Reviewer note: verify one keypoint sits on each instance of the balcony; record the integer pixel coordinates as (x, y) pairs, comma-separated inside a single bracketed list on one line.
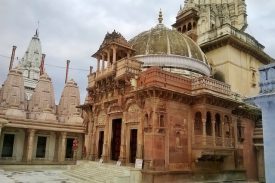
[(106, 72), (127, 66), (210, 142)]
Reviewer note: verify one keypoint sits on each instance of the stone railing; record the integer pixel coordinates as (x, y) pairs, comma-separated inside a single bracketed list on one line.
[(227, 29), (202, 84), (128, 66), (218, 141), (157, 77), (208, 141), (106, 72)]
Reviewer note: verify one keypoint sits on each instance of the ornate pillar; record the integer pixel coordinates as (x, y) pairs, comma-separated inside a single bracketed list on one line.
[(105, 154), (114, 54), (98, 64), (30, 144), (204, 131), (62, 147), (122, 154), (213, 132), (223, 134), (103, 62), (109, 58)]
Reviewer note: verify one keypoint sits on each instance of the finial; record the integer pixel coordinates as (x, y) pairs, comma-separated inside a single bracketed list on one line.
[(160, 17), (37, 29)]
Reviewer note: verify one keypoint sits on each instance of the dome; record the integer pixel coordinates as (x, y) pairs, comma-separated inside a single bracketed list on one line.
[(169, 49)]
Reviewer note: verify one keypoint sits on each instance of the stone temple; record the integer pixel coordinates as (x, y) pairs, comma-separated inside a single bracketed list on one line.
[(169, 98)]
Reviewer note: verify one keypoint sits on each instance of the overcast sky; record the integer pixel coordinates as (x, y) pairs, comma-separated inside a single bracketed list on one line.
[(74, 29)]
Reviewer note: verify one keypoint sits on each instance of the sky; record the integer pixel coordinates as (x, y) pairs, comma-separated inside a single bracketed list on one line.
[(74, 29)]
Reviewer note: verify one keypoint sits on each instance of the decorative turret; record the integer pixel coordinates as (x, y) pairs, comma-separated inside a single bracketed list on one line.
[(30, 64), (70, 98), (42, 102), (12, 95), (113, 48)]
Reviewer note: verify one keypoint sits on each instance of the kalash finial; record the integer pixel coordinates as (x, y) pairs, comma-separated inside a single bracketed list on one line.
[(160, 17)]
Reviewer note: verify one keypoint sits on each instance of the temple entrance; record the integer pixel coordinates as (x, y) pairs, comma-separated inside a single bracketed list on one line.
[(133, 145), (100, 144), (116, 138), (69, 148), (41, 147), (8, 142)]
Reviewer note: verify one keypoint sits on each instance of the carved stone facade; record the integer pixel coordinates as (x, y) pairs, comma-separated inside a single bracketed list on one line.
[(174, 122)]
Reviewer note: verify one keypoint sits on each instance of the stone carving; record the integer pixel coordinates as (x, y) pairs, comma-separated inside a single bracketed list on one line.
[(101, 119)]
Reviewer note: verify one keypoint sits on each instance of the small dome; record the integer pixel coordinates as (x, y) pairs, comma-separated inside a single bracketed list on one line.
[(167, 48)]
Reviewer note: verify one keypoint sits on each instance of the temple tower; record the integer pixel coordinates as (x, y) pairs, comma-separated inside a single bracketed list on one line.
[(218, 26), (30, 63)]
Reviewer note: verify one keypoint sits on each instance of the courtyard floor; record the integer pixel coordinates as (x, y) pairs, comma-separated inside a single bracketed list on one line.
[(33, 176)]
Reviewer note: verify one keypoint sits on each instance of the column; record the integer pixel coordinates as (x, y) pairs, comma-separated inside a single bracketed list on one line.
[(105, 144), (103, 62), (30, 144), (114, 54), (108, 58), (213, 132), (62, 147), (98, 64), (204, 131), (222, 133), (140, 141), (122, 155)]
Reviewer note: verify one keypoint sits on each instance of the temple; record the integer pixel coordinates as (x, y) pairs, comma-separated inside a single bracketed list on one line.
[(170, 98)]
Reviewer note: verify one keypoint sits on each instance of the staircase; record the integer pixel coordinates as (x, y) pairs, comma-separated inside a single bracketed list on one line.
[(95, 172)]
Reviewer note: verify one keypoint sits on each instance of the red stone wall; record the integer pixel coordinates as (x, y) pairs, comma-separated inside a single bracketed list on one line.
[(249, 151)]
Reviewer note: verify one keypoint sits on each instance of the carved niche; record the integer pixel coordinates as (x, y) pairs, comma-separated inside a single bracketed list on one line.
[(101, 118), (133, 114)]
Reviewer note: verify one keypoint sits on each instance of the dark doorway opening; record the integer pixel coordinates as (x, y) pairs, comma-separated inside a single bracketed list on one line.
[(116, 138), (41, 147), (100, 144), (8, 142), (69, 148), (133, 145)]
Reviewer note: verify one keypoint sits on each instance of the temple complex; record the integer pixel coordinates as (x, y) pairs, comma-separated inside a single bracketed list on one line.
[(36, 131), (170, 99)]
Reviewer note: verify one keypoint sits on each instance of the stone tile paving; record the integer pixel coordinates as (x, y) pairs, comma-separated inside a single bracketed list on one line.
[(33, 176)]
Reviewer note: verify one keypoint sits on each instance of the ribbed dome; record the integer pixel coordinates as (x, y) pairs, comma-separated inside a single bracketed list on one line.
[(161, 46), (162, 40)]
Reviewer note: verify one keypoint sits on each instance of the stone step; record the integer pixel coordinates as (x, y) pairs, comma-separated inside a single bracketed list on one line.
[(98, 173)]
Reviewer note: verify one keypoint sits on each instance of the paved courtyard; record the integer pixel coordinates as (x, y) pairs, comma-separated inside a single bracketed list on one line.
[(33, 176)]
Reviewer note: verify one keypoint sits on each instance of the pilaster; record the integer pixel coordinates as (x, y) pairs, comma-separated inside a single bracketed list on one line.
[(62, 147), (30, 144)]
